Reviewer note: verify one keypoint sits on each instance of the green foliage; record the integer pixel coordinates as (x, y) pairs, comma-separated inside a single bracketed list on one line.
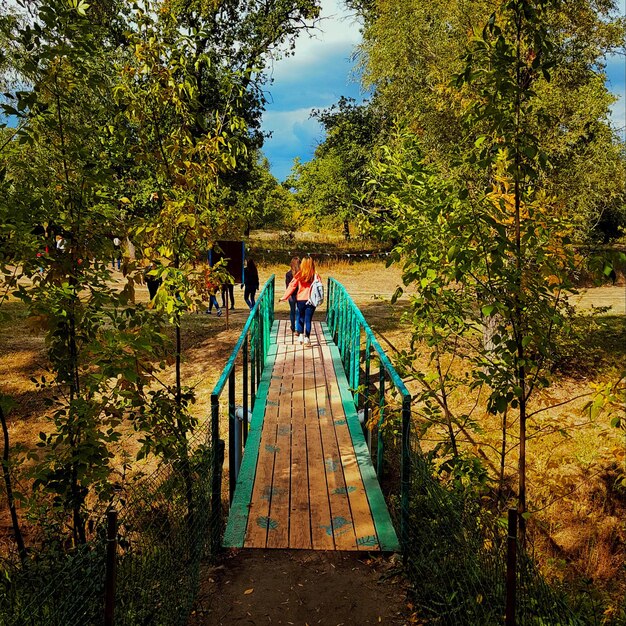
[(258, 200), (456, 558), (326, 186), (90, 114), (411, 49), (491, 265)]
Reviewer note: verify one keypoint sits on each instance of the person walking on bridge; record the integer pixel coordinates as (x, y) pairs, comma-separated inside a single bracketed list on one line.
[(306, 301), (293, 270)]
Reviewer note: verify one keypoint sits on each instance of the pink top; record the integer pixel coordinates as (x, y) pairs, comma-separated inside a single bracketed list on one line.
[(304, 288)]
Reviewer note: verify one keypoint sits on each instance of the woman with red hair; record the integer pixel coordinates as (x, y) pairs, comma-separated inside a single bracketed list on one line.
[(301, 286)]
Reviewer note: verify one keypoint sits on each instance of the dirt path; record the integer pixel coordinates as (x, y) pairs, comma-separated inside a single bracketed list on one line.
[(300, 587)]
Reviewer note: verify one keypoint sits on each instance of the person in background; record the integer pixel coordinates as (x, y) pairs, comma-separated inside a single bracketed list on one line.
[(117, 252), (228, 290), (152, 282), (293, 270), (301, 286), (212, 288), (250, 282)]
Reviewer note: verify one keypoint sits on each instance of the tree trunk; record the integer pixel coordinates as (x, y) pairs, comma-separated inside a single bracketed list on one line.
[(502, 459), (77, 499), (17, 532), (346, 230), (185, 465)]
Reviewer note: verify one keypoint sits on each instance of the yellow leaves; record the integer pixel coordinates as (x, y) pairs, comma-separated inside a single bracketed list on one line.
[(187, 220), (80, 6), (553, 281), (247, 592)]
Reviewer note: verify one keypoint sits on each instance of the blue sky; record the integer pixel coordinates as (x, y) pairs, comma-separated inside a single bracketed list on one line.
[(319, 73), (322, 70)]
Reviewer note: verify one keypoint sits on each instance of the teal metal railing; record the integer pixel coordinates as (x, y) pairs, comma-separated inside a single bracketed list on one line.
[(253, 345), (358, 348)]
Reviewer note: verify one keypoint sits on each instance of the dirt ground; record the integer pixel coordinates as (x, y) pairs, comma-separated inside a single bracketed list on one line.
[(302, 587)]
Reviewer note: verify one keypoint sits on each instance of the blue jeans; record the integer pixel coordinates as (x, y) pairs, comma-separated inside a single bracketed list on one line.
[(305, 315), (248, 296)]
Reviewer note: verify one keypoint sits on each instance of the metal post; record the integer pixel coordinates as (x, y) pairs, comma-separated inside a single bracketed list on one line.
[(245, 391), (111, 562), (357, 360), (511, 560), (366, 394), (259, 348), (329, 301), (405, 472), (252, 366), (380, 444), (216, 497), (233, 437)]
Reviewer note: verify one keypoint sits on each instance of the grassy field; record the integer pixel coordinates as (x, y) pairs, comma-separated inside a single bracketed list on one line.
[(575, 464)]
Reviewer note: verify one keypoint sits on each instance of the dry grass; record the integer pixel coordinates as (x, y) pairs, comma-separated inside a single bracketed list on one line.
[(575, 464)]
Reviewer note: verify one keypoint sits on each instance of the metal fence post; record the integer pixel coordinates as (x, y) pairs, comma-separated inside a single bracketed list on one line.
[(111, 562), (234, 437), (405, 473), (216, 497), (511, 559), (245, 391), (380, 443)]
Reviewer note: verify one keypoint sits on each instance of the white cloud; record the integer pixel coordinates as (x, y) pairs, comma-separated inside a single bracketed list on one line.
[(337, 29), (291, 128), (315, 77)]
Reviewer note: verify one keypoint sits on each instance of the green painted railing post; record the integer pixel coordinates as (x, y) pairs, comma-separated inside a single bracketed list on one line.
[(405, 472), (234, 439), (340, 314), (245, 389), (329, 306), (252, 368), (366, 393), (380, 444), (356, 360), (217, 445), (257, 351)]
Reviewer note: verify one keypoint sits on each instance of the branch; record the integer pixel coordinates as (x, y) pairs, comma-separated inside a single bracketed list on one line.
[(553, 406)]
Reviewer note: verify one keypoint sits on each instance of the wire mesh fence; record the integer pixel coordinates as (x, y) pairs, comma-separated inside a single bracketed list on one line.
[(167, 526), (455, 557)]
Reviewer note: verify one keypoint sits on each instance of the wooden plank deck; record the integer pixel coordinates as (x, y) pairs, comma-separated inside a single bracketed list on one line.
[(306, 479)]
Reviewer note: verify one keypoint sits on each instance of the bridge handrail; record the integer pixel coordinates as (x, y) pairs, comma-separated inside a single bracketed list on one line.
[(346, 322), (264, 296), (253, 344)]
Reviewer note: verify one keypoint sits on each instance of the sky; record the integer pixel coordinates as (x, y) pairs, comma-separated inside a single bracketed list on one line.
[(317, 75), (322, 70)]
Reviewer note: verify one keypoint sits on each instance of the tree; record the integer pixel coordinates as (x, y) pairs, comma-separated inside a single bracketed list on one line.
[(257, 200), (327, 185), (60, 203), (240, 37), (412, 48), (500, 256)]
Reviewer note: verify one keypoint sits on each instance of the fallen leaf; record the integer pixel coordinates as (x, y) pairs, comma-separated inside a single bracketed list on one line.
[(247, 592)]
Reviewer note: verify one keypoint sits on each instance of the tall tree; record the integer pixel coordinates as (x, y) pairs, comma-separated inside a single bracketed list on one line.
[(411, 48)]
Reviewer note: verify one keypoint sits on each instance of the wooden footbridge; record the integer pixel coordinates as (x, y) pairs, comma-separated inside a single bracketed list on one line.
[(302, 469)]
